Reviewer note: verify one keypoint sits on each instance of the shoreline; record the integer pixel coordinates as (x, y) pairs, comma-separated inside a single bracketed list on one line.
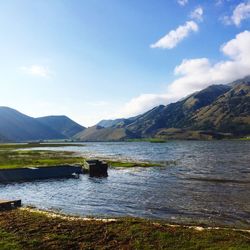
[(71, 217), (31, 228)]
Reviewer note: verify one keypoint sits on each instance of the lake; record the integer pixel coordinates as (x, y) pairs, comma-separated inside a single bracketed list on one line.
[(202, 182)]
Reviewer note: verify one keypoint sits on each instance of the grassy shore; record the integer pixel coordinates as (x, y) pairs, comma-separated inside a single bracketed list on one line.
[(31, 229)]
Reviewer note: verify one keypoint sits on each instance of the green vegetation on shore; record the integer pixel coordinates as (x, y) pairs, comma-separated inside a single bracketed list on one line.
[(10, 158), (19, 159), (152, 140), (245, 139), (124, 164), (13, 146), (20, 155), (30, 229)]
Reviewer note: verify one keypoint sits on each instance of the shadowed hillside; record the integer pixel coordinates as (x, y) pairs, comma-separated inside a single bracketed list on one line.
[(16, 126), (62, 124)]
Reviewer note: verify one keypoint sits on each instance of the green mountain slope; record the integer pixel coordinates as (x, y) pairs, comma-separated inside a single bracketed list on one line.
[(176, 115), (229, 113), (219, 111), (62, 124)]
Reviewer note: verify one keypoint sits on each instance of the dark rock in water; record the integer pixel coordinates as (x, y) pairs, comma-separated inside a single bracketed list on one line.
[(97, 168)]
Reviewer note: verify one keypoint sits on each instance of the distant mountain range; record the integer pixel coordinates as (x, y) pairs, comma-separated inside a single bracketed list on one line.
[(219, 111), (15, 126)]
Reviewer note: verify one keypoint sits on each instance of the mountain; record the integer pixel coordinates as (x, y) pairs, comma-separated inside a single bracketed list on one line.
[(16, 126), (110, 123), (62, 124), (229, 113), (244, 80), (98, 133), (176, 115), (218, 111), (117, 122)]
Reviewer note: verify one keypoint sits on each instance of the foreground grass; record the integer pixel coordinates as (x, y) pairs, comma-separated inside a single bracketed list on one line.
[(22, 229)]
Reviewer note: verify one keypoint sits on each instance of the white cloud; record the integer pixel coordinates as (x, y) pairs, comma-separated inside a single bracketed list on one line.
[(196, 74), (240, 13), (143, 103), (36, 70), (197, 14), (182, 2), (170, 40)]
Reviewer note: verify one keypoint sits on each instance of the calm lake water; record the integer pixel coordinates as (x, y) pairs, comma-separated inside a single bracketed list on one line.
[(202, 182)]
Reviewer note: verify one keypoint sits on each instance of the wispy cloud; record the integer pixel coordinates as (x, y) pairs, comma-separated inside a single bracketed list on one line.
[(174, 37), (182, 2), (240, 13), (196, 74), (197, 14), (36, 70)]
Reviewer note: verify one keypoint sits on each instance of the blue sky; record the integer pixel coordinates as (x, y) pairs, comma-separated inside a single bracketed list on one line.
[(96, 59)]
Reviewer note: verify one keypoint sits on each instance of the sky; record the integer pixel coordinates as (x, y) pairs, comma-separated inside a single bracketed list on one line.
[(106, 59)]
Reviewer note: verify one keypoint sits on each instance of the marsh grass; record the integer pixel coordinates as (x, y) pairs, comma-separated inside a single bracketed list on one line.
[(124, 164), (13, 146), (31, 158)]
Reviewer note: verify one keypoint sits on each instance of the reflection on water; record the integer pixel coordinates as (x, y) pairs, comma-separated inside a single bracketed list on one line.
[(210, 183)]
